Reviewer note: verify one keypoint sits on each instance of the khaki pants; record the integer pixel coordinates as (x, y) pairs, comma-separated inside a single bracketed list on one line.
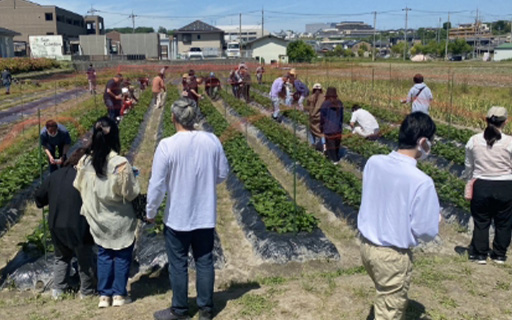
[(390, 269)]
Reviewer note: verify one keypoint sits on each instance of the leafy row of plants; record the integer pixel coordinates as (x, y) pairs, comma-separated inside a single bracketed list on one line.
[(133, 119), (342, 182), (27, 166), (18, 65), (129, 126), (269, 199), (449, 187), (446, 149)]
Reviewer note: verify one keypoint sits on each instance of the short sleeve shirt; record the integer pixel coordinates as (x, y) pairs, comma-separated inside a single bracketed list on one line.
[(114, 87)]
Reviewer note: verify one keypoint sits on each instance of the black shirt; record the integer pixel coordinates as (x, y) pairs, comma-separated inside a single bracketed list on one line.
[(114, 87)]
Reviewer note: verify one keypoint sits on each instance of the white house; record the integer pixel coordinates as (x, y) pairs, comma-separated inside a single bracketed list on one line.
[(247, 32), (503, 52), (268, 49), (6, 42)]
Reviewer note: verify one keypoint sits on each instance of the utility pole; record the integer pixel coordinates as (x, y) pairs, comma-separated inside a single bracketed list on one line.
[(475, 37), (133, 21), (262, 22), (447, 38), (240, 31), (374, 31), (439, 30), (405, 32)]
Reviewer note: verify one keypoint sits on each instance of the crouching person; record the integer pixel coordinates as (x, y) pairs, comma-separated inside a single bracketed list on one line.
[(187, 166), (411, 213), (69, 230), (107, 185)]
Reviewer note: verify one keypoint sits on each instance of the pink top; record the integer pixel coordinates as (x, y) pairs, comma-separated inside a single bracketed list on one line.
[(484, 162)]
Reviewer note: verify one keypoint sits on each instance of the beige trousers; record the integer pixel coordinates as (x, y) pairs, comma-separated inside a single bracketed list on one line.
[(390, 269)]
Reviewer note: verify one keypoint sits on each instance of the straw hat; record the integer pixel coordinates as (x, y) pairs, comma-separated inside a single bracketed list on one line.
[(317, 86)]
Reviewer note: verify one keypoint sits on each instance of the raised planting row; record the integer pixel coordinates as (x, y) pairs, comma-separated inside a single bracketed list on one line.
[(346, 184), (27, 166), (270, 200), (446, 149), (133, 119), (450, 188)]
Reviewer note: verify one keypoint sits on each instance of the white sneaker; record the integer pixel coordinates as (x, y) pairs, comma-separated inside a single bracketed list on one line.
[(105, 302), (121, 300)]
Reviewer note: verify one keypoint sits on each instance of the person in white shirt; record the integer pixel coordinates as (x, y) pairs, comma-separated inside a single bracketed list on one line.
[(187, 166), (368, 125), (419, 96), (489, 163), (399, 208)]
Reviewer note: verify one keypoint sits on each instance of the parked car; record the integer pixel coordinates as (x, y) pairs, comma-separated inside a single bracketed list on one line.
[(195, 52)]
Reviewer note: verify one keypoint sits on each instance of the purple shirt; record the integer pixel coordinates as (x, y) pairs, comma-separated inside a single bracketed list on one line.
[(277, 87)]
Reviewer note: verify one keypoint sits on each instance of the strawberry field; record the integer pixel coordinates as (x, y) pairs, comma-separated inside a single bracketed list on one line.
[(286, 214)]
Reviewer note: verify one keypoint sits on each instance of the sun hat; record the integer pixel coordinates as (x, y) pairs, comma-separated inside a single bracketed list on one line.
[(497, 112), (293, 72), (317, 86), (185, 75), (331, 92)]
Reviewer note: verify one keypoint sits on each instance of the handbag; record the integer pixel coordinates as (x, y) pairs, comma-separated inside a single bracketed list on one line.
[(139, 206), (468, 190)]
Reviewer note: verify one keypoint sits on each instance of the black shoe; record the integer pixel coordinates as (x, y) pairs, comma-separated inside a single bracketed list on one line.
[(498, 259), (205, 315), (167, 314), (480, 259)]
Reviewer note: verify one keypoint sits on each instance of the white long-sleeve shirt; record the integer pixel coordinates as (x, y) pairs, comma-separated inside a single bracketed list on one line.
[(187, 166), (399, 204), (483, 162)]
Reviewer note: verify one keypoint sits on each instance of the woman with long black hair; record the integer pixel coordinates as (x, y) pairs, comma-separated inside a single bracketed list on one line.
[(331, 124), (107, 185), (489, 165)]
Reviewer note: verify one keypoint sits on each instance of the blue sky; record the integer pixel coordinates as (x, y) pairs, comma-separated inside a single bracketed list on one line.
[(292, 14)]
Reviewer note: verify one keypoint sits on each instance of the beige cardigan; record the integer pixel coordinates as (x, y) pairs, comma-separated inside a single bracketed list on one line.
[(107, 201)]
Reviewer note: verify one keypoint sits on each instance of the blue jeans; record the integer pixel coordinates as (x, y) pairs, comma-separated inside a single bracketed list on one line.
[(114, 108), (113, 271), (177, 244)]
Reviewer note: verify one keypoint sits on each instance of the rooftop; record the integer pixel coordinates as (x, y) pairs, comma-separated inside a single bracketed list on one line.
[(199, 26)]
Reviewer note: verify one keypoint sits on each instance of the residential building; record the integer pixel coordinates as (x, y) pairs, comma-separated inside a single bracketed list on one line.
[(503, 52), (246, 33), (7, 43), (354, 29), (94, 25), (114, 39), (29, 19), (470, 30), (268, 49), (201, 35)]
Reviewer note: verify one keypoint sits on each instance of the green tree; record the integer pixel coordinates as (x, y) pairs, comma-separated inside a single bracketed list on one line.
[(162, 30), (398, 49), (459, 46), (364, 47), (447, 25), (339, 51), (360, 53), (299, 51)]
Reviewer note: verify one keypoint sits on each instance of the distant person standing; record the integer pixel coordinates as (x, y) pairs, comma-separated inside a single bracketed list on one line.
[(301, 90), (91, 78), (7, 80), (489, 162), (260, 70), (313, 106), (245, 85), (368, 126), (420, 95), (399, 207), (113, 97), (331, 124), (188, 166), (158, 89), (278, 94), (212, 86), (163, 70), (69, 230), (55, 140), (235, 80)]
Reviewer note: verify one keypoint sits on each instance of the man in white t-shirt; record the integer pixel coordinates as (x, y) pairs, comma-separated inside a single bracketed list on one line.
[(368, 125)]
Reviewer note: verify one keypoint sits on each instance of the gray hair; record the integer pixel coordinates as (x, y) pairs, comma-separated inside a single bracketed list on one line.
[(185, 112)]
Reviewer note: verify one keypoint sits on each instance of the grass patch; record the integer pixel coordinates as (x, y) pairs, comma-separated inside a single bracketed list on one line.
[(254, 305)]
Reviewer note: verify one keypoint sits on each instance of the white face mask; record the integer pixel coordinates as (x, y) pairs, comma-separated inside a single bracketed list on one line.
[(424, 147), (54, 134)]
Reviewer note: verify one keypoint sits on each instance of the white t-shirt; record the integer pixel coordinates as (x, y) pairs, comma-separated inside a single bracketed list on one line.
[(365, 119)]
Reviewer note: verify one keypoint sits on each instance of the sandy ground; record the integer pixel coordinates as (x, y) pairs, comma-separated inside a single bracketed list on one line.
[(445, 285)]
